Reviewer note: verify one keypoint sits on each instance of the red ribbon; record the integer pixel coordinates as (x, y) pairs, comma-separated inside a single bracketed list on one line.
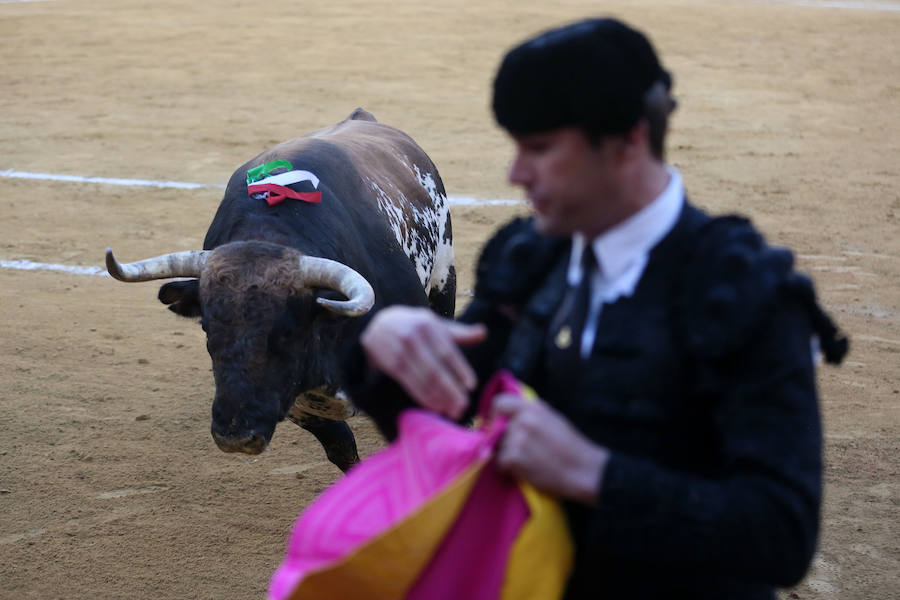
[(278, 193)]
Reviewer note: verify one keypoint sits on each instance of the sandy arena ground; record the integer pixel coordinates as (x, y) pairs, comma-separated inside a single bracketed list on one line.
[(110, 485)]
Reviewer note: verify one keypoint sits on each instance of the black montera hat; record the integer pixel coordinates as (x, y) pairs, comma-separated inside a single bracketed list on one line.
[(592, 74)]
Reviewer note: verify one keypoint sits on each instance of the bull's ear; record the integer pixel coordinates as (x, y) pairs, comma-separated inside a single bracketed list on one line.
[(183, 297)]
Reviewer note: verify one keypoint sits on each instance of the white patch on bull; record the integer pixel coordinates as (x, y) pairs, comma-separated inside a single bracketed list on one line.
[(427, 182), (320, 403), (443, 252), (422, 239), (443, 261)]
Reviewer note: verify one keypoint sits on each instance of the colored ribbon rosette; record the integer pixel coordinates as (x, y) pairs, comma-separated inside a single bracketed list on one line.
[(430, 517), (270, 182)]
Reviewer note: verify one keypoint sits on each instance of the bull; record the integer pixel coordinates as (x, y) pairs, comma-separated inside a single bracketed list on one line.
[(310, 239)]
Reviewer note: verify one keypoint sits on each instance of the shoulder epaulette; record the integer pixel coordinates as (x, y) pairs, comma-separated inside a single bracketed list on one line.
[(734, 280), (514, 261), (731, 284)]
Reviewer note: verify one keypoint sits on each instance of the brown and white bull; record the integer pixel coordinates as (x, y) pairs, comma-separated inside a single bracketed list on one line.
[(311, 237)]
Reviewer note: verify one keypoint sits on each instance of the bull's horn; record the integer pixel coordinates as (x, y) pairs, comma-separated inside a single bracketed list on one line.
[(325, 273), (178, 264)]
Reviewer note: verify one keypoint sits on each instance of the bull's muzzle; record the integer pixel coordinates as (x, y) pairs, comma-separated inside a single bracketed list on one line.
[(252, 443)]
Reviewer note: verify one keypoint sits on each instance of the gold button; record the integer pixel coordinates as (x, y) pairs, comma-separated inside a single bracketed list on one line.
[(564, 337)]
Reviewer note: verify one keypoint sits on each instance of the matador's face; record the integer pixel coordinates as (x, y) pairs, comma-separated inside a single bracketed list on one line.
[(573, 184)]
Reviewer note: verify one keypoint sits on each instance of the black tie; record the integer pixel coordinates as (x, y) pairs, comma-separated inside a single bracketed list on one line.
[(571, 318)]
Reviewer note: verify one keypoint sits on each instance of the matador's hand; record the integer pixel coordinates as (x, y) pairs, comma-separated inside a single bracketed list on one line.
[(543, 448), (419, 350)]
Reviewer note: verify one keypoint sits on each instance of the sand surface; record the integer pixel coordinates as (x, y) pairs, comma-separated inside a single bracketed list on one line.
[(110, 485)]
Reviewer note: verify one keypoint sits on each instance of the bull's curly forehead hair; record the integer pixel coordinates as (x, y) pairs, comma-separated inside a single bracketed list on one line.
[(595, 74), (251, 266)]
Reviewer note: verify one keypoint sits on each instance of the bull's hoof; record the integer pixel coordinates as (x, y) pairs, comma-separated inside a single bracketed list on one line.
[(343, 462)]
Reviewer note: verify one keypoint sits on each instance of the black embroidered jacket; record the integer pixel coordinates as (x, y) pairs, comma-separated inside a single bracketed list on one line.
[(702, 386)]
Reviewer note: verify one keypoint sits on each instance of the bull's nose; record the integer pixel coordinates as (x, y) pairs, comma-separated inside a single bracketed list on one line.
[(254, 443)]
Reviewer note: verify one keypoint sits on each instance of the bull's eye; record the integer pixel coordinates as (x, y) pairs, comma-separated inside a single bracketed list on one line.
[(283, 330), (280, 339)]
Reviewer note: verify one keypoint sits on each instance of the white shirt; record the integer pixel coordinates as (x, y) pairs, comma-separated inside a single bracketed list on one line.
[(622, 253)]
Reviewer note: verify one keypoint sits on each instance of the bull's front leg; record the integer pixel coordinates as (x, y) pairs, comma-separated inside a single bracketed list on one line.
[(336, 437)]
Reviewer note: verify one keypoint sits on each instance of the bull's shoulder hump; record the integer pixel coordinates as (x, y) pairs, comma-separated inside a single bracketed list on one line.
[(369, 145), (358, 130), (360, 114)]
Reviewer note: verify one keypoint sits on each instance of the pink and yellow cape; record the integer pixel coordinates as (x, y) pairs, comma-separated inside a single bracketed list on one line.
[(429, 517)]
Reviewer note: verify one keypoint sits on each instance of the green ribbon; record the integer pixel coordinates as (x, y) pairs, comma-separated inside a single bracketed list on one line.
[(263, 171)]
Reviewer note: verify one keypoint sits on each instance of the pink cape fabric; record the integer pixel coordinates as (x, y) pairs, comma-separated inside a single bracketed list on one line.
[(428, 454)]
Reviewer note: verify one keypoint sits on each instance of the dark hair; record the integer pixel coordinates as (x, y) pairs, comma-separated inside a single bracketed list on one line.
[(599, 75), (658, 105)]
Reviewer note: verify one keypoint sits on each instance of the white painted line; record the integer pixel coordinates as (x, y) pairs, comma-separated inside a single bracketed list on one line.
[(875, 338), (851, 5), (820, 257), (27, 265), (452, 200), (15, 537), (153, 489), (106, 180), (843, 4), (868, 254), (466, 201)]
